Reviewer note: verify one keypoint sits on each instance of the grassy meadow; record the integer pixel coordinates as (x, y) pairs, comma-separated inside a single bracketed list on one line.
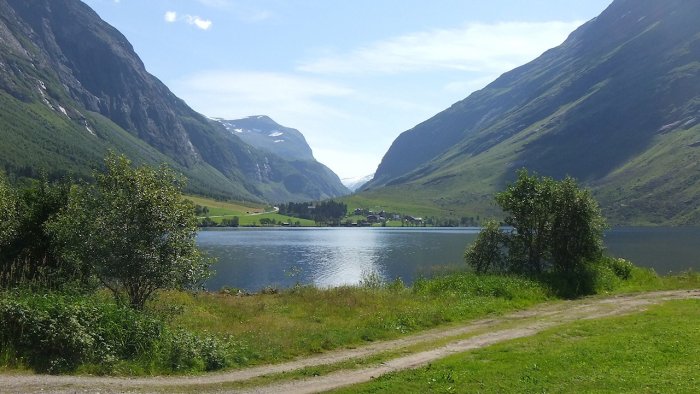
[(248, 214), (655, 351), (194, 332)]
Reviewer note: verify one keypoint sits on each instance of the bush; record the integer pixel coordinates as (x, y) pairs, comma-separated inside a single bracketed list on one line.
[(621, 267), (472, 285), (486, 254), (187, 352), (56, 333), (586, 279), (135, 228)]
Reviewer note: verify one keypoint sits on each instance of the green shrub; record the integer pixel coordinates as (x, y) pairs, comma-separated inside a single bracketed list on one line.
[(56, 333), (621, 267), (589, 278), (187, 352)]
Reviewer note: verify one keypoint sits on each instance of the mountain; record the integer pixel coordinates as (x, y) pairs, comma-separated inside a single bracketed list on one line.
[(617, 106), (72, 87), (356, 182), (268, 136)]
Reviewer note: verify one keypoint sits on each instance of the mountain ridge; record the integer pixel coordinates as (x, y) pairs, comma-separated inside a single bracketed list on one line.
[(72, 87), (587, 108), (263, 133)]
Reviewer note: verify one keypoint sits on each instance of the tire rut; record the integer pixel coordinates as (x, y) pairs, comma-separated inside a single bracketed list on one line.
[(522, 324)]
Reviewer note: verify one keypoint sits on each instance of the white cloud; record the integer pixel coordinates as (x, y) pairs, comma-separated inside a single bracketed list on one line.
[(204, 24), (475, 48), (170, 16), (301, 102), (230, 94)]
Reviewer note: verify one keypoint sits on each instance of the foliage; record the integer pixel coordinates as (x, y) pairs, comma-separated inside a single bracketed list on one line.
[(486, 254), (29, 257), (326, 212), (136, 230), (556, 228), (577, 225), (8, 211), (56, 333)]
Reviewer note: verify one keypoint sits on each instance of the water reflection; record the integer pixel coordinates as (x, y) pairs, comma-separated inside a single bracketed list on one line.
[(252, 259), (343, 257)]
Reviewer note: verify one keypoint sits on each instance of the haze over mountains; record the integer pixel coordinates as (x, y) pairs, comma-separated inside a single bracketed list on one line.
[(72, 87), (617, 106)]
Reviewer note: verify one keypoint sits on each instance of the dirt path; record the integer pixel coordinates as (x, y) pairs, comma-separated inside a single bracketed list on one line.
[(514, 325)]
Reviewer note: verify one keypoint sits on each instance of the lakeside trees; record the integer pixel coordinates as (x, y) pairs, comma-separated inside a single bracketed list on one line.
[(325, 212), (556, 227), (136, 230), (130, 231)]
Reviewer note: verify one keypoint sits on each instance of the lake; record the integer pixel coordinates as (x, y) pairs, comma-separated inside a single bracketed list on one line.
[(253, 258)]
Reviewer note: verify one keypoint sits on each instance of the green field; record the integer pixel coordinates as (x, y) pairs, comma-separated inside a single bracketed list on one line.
[(248, 214), (656, 351)]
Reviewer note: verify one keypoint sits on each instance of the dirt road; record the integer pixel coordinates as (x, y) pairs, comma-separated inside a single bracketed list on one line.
[(478, 334)]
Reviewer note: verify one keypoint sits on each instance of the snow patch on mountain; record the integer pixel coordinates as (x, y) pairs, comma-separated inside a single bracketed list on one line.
[(354, 183)]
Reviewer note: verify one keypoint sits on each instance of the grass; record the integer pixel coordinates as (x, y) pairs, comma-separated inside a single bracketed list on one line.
[(249, 214), (645, 279), (230, 331), (219, 208), (653, 351), (269, 328)]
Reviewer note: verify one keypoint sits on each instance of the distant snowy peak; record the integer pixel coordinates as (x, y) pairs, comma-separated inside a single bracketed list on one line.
[(355, 183), (264, 133)]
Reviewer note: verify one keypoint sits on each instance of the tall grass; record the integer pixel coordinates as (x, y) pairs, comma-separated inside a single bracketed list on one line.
[(193, 332)]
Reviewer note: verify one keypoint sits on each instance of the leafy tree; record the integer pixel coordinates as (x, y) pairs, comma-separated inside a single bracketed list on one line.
[(487, 254), (135, 229), (8, 211), (577, 226), (232, 222), (528, 204), (326, 212), (556, 227), (30, 257)]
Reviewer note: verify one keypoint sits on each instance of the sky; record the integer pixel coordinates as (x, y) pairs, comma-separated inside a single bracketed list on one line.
[(350, 75)]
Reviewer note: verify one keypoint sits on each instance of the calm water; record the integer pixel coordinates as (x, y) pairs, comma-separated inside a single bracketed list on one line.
[(254, 258)]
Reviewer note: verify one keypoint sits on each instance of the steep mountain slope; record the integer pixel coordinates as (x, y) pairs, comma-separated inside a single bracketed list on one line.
[(72, 87), (268, 136), (617, 106)]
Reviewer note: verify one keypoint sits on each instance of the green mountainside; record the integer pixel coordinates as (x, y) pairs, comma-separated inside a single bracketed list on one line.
[(617, 106), (72, 87)]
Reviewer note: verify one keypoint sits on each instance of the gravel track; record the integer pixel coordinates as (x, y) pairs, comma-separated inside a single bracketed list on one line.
[(487, 332)]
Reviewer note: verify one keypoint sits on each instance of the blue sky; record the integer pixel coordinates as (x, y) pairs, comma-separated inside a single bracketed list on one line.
[(350, 75)]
